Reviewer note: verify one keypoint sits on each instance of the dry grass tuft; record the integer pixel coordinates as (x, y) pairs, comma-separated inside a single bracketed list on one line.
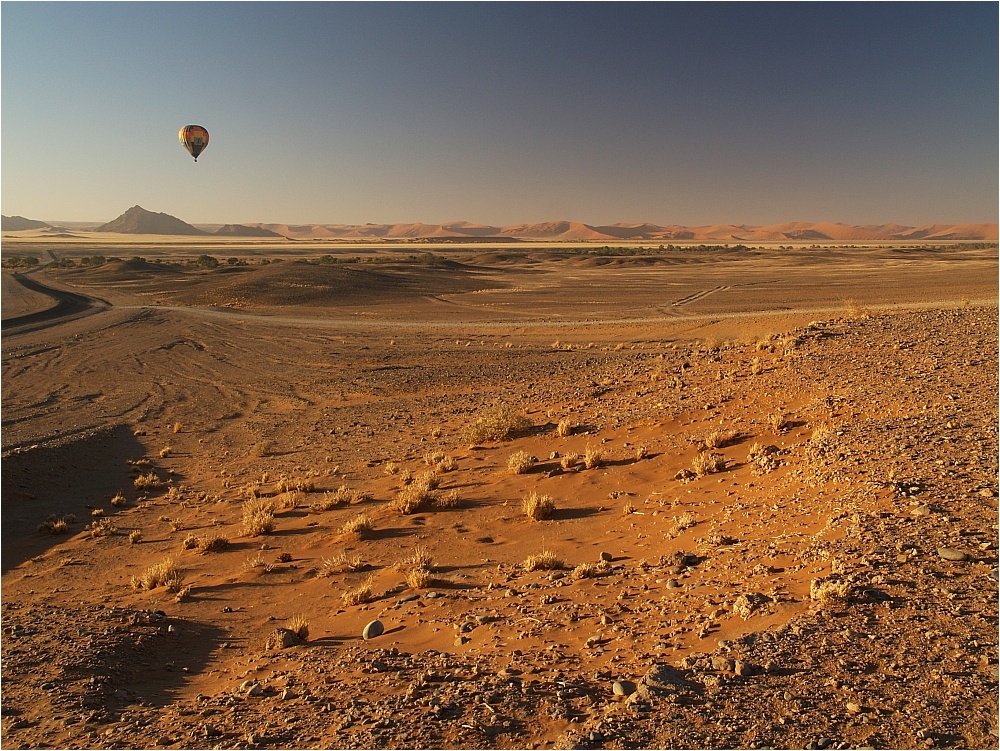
[(257, 562), (343, 562), (299, 625), (681, 523), (135, 537), (148, 481), (190, 542), (213, 544), (166, 451), (777, 422), (564, 428), (718, 439), (361, 594), (101, 528), (520, 462), (359, 527), (707, 463), (544, 561), (591, 570), (641, 452), (258, 517), (162, 574), (569, 461), (592, 457), (417, 495), (56, 525), (451, 499), (498, 423), (538, 507), (119, 500)]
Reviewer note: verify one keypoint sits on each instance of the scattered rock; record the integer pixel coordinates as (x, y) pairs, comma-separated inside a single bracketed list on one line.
[(623, 688), (950, 554), (282, 638), (373, 629)]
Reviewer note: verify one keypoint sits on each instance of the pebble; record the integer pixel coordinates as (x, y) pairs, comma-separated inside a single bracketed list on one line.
[(623, 688), (606, 556), (950, 554), (673, 584), (255, 690), (373, 629)]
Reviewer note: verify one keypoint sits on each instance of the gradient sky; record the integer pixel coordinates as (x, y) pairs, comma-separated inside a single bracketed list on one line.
[(685, 114)]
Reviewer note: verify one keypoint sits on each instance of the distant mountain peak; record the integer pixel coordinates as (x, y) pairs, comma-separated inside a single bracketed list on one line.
[(139, 221)]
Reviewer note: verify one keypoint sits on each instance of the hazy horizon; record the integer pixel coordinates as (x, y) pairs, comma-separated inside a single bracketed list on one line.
[(500, 114)]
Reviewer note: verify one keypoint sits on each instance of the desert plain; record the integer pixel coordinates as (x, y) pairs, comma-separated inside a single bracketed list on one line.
[(700, 498)]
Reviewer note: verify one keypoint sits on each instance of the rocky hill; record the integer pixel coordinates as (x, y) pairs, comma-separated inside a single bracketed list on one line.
[(138, 221), (15, 223), (241, 230)]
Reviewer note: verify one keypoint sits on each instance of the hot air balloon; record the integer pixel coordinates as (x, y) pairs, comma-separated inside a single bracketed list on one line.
[(194, 138)]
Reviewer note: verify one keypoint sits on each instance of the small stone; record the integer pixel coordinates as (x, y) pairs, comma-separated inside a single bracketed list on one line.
[(723, 664), (743, 669), (373, 629), (606, 556), (282, 638), (673, 584), (164, 740), (287, 694), (623, 688), (461, 640), (950, 554), (606, 620), (919, 511), (853, 707), (255, 690)]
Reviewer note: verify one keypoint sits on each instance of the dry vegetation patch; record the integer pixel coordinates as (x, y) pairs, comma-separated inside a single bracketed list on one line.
[(497, 423)]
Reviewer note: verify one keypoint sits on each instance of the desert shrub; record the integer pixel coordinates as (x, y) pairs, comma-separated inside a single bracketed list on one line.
[(213, 544), (707, 463), (257, 562), (777, 422), (564, 428), (299, 625), (119, 500), (433, 457), (497, 423), (641, 452), (391, 468), (359, 527), (591, 570), (262, 448), (592, 457), (520, 462), (166, 451), (339, 564), (300, 484), (162, 574), (681, 523), (55, 525), (190, 543), (829, 592), (538, 507), (544, 561), (361, 594), (628, 508), (569, 461), (258, 517), (451, 499), (177, 427), (342, 496), (417, 495), (148, 481), (717, 439), (419, 578), (101, 528), (288, 500), (447, 464), (135, 536)]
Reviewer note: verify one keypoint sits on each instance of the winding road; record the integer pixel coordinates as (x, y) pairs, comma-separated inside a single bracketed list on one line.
[(68, 305)]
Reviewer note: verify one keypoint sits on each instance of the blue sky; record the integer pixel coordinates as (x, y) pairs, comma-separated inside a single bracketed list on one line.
[(500, 113)]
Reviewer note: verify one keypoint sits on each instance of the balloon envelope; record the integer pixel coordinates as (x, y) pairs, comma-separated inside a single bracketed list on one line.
[(194, 138)]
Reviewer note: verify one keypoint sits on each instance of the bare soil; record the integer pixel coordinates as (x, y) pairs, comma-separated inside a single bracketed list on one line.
[(839, 591)]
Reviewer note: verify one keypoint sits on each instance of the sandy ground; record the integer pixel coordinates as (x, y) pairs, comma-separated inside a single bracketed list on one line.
[(832, 584)]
